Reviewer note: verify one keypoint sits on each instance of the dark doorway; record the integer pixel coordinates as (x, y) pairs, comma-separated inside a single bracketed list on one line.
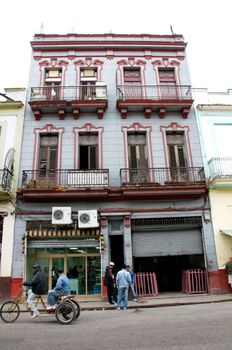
[(117, 253), (169, 269)]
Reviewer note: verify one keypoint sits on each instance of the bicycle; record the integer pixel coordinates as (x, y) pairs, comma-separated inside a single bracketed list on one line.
[(66, 311)]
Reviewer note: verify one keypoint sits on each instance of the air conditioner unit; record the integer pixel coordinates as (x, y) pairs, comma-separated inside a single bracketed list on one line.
[(87, 218), (61, 215)]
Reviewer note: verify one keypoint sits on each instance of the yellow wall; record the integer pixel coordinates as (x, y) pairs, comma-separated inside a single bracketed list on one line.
[(221, 210)]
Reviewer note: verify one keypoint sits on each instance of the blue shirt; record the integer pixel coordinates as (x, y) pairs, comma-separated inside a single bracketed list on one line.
[(123, 279), (62, 285)]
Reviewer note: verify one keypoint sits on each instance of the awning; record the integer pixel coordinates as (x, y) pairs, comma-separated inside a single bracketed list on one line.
[(227, 232), (63, 235)]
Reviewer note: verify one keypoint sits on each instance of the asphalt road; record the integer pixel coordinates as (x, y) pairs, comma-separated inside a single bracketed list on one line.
[(201, 327)]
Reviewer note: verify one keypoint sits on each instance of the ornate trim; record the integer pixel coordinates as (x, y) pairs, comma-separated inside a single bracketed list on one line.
[(167, 62), (88, 128), (88, 62), (174, 127), (47, 129), (53, 62), (136, 127)]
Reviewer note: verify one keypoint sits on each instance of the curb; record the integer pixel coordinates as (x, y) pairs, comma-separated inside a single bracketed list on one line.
[(106, 308)]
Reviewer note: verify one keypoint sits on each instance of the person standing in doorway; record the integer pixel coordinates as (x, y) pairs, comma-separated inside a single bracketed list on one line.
[(134, 296), (123, 280), (37, 288), (109, 282)]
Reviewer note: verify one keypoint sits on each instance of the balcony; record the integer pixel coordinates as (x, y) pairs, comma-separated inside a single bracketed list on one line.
[(220, 171), (6, 177), (63, 100), (63, 184), (173, 183), (154, 98)]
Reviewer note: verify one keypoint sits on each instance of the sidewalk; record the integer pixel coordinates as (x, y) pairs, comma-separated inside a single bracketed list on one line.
[(164, 299)]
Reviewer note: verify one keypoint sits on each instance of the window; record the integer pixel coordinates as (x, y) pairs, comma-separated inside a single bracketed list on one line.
[(88, 83), (88, 151), (138, 162), (53, 78), (168, 83), (177, 157), (48, 154), (132, 82)]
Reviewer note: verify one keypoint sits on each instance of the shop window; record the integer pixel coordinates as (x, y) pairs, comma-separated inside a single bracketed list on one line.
[(88, 151)]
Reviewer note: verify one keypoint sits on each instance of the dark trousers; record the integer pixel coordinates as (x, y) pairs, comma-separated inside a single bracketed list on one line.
[(111, 292)]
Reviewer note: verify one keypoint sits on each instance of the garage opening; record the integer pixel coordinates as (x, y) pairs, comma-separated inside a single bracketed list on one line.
[(168, 269), (167, 246)]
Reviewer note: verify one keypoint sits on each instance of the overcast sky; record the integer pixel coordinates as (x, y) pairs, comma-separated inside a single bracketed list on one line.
[(205, 25)]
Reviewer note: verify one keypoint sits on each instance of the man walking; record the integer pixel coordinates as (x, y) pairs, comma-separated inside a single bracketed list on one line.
[(123, 280), (109, 282), (37, 284)]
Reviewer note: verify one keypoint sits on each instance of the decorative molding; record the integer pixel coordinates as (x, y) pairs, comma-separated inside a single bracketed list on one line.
[(137, 127), (47, 129), (53, 62), (88, 128), (148, 113), (174, 127), (88, 62), (167, 62), (162, 112), (130, 62)]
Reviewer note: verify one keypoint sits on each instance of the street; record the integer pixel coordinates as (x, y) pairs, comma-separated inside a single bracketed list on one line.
[(205, 326)]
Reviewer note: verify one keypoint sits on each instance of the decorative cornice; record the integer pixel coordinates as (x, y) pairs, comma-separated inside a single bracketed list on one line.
[(165, 62), (131, 61)]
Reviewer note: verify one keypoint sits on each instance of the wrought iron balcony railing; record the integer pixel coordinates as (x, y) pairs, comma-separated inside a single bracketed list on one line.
[(162, 176), (6, 177), (81, 92), (154, 92), (220, 167), (65, 178)]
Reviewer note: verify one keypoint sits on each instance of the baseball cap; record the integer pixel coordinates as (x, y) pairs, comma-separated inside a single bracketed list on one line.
[(111, 263), (36, 266)]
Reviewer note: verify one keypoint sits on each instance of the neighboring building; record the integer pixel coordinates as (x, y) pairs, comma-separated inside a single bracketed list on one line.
[(110, 132), (214, 115), (11, 126)]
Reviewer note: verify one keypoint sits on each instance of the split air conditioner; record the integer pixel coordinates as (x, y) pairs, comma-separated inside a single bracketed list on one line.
[(61, 215), (87, 218)]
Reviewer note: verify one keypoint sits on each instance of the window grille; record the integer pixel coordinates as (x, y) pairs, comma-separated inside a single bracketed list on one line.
[(161, 223)]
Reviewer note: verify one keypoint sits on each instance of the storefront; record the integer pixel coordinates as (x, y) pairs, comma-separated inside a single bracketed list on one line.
[(168, 247), (77, 252)]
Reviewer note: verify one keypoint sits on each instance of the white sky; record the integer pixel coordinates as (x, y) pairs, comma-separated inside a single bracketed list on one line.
[(205, 25)]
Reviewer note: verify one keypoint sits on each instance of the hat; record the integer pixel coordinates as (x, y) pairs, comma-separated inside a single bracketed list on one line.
[(36, 266), (111, 263)]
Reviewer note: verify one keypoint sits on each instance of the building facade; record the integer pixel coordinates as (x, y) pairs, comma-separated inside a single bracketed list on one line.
[(11, 126), (214, 116), (111, 163)]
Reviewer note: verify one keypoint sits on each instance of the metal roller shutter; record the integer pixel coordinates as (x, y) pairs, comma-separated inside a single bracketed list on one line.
[(162, 243)]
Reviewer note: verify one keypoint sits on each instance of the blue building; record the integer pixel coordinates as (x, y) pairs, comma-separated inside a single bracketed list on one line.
[(111, 165)]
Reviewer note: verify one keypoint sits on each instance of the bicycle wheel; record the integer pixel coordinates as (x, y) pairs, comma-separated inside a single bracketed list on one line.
[(65, 312), (9, 311), (77, 307)]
